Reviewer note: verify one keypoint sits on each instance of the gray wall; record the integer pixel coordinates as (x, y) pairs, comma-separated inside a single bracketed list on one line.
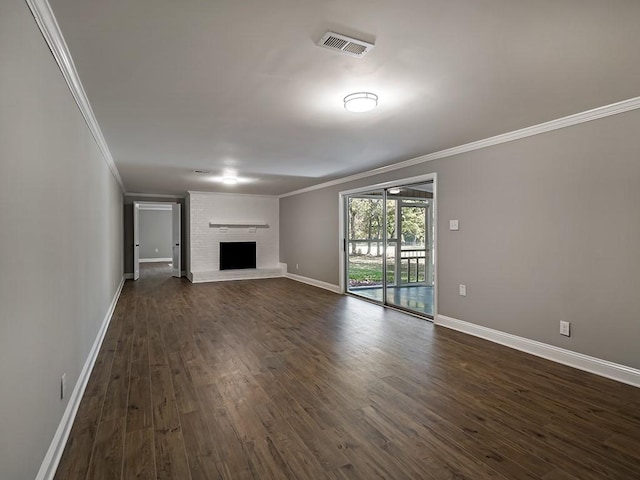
[(61, 239), (128, 227), (156, 233), (549, 231)]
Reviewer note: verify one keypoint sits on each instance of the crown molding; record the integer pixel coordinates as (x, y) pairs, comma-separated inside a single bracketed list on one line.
[(152, 195), (229, 194), (575, 119), (50, 29)]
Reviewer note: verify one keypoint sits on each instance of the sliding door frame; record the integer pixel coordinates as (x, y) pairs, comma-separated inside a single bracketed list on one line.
[(342, 239)]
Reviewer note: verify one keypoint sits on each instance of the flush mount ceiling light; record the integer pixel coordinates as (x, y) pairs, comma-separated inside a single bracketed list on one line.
[(361, 102), (394, 191), (229, 180)]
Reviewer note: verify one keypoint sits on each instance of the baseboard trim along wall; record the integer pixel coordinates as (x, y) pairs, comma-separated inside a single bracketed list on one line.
[(312, 281), (604, 368), (129, 276), (52, 458)]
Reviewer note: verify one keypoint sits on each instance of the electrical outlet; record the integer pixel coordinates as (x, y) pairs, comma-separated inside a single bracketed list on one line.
[(454, 225), (296, 266), (463, 290), (565, 328), (63, 386)]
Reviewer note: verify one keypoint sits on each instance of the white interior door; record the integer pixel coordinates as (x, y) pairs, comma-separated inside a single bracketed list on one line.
[(175, 208), (136, 240)]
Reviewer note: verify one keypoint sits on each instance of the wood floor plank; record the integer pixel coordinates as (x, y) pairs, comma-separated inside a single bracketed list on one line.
[(140, 411), (139, 461), (165, 409), (75, 460), (199, 446), (171, 459), (273, 379), (227, 446), (183, 386), (107, 455)]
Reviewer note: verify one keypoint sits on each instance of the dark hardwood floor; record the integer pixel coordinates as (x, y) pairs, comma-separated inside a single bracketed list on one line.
[(276, 379), (155, 269)]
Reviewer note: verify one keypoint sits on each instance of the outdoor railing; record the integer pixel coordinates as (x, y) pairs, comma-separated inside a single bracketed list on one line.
[(364, 270), (413, 257)]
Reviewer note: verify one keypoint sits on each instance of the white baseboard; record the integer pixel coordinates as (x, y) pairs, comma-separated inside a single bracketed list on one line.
[(52, 458), (155, 260), (312, 281), (129, 276), (604, 368)]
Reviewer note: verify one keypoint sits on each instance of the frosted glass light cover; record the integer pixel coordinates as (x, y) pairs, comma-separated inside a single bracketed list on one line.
[(361, 102)]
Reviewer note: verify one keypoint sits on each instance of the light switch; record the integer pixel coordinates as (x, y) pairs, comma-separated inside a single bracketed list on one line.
[(453, 225)]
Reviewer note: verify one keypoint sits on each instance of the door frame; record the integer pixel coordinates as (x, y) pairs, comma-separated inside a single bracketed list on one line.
[(171, 206), (342, 240), (136, 240)]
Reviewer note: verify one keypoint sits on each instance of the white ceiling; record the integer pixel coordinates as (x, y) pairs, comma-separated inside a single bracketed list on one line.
[(178, 85)]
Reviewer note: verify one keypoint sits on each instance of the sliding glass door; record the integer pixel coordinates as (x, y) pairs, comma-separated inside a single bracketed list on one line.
[(365, 244), (389, 246), (410, 258)]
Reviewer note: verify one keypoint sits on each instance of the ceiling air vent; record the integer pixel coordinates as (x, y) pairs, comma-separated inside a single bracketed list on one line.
[(344, 44), (202, 172)]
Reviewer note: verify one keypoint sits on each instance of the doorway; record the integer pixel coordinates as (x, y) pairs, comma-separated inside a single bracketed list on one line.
[(389, 244), (156, 239)]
